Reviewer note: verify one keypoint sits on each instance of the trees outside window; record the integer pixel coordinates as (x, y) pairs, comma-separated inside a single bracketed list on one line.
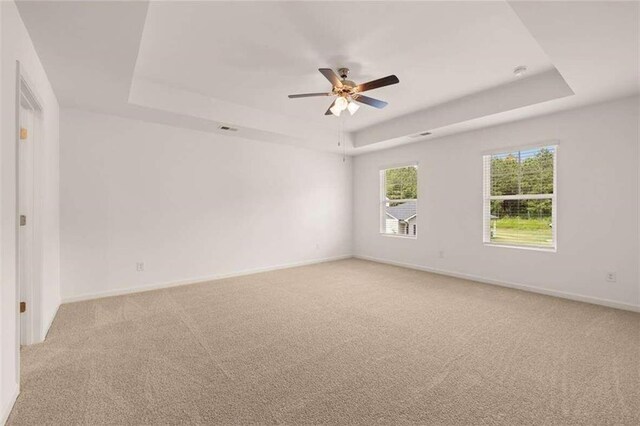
[(519, 198)]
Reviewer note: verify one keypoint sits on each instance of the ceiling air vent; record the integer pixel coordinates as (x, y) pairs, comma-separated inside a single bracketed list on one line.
[(228, 129), (421, 134)]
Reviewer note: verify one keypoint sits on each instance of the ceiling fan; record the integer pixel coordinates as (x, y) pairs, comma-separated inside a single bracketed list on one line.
[(348, 93)]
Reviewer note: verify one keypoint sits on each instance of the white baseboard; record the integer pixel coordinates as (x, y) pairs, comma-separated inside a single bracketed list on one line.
[(156, 286), (532, 289), (8, 405), (539, 290)]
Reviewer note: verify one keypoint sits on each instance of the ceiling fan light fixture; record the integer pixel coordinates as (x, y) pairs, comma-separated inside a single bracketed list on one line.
[(352, 107), (335, 110), (341, 103)]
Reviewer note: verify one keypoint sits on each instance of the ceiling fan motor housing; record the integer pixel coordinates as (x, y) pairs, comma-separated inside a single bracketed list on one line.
[(347, 85), (346, 89)]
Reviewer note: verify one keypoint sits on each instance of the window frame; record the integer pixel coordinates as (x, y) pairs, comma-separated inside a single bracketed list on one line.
[(487, 197), (383, 200)]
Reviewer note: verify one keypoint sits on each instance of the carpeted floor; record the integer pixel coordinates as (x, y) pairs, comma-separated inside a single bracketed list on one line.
[(349, 342)]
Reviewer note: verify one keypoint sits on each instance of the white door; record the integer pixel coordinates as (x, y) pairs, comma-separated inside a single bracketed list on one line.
[(25, 214)]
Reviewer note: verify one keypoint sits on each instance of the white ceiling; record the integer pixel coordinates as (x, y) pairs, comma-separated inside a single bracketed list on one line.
[(199, 64), (256, 54)]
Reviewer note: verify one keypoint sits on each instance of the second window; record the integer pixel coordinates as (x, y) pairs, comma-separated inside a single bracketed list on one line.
[(399, 201)]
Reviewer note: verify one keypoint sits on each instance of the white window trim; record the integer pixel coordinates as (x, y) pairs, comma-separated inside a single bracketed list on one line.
[(487, 197), (383, 200), (521, 147), (406, 237)]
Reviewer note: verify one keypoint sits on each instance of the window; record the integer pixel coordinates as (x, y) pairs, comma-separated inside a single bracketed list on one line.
[(399, 201), (520, 198)]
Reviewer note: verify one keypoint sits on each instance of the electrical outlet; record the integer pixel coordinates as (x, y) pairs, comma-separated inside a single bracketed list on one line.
[(441, 254), (611, 277), (317, 246), (140, 266)]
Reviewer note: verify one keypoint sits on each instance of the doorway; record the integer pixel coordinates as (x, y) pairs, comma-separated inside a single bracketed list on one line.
[(25, 216), (28, 122)]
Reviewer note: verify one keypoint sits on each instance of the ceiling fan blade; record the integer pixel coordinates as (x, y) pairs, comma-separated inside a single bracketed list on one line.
[(375, 84), (370, 101), (329, 110), (331, 76), (308, 95)]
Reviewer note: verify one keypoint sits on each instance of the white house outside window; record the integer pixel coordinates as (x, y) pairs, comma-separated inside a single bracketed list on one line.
[(399, 201)]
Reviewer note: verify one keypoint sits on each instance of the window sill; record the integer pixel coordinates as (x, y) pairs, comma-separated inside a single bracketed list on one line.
[(408, 237), (530, 248)]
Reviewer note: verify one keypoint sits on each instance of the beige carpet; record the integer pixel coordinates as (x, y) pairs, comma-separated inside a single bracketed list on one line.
[(348, 342)]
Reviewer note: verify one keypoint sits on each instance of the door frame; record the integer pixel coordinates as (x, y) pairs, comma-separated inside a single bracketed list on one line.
[(26, 94)]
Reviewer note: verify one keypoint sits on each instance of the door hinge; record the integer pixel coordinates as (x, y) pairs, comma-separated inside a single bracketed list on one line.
[(24, 133), (23, 307), (23, 220)]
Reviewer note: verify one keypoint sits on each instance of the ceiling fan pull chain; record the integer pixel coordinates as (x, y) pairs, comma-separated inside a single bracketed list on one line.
[(344, 147)]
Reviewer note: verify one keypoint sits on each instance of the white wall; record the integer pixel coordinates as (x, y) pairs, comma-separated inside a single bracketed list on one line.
[(190, 205), (16, 45), (597, 205)]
